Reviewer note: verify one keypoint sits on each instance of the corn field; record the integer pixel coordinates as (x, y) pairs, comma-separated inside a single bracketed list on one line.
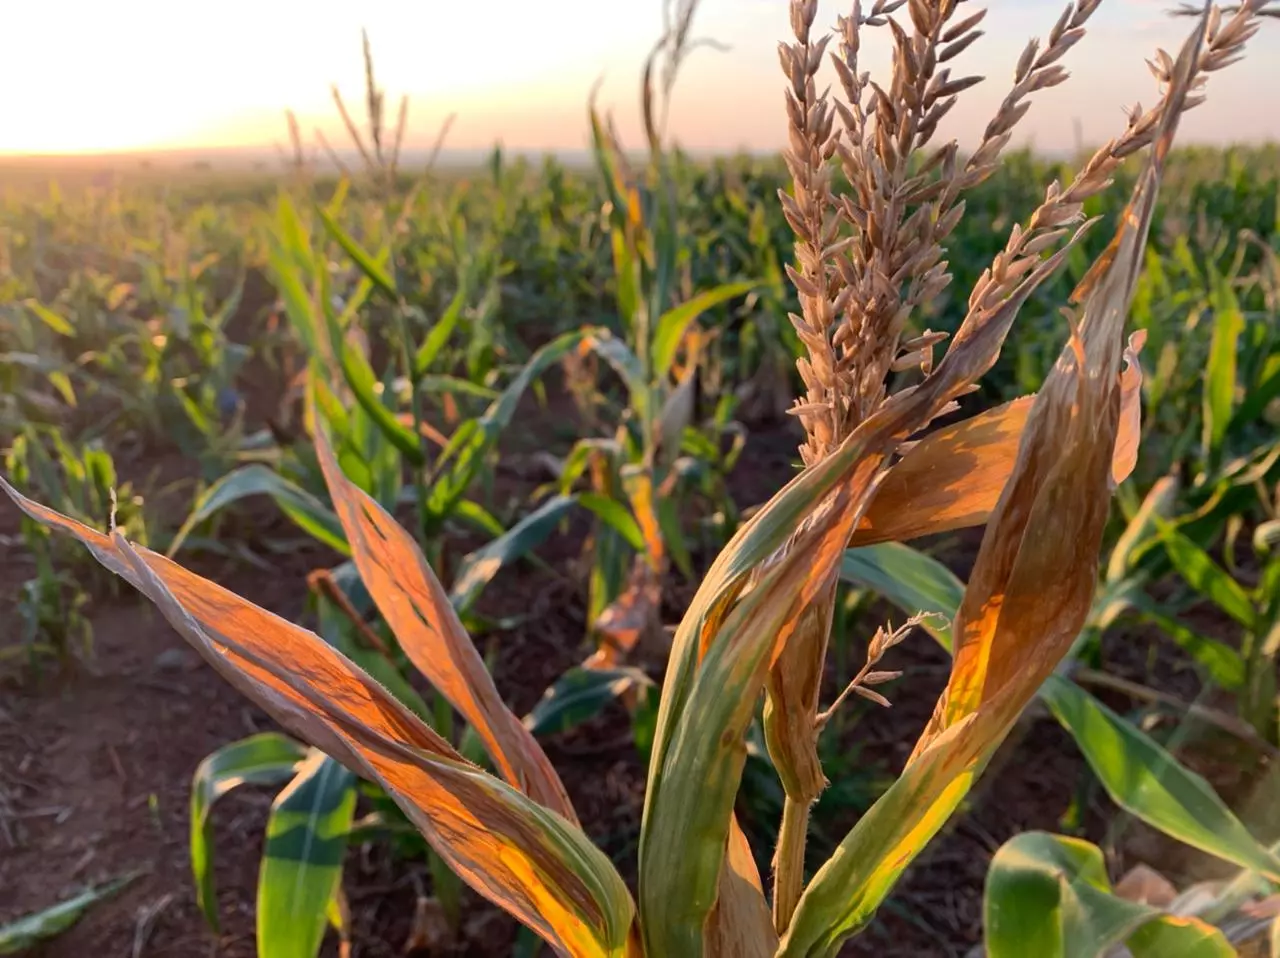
[(868, 550)]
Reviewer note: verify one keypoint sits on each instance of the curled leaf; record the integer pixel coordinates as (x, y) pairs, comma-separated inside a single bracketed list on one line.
[(510, 849), (1130, 431)]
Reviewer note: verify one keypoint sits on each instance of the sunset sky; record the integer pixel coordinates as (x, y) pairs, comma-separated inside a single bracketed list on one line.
[(131, 75)]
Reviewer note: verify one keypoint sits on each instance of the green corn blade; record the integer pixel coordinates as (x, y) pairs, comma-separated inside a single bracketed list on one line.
[(1048, 896), (19, 936), (478, 568), (307, 512), (301, 870), (266, 759)]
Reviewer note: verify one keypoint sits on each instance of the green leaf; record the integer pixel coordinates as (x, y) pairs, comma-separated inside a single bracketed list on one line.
[(673, 535), (455, 385), (51, 319), (1223, 663), (479, 517), (1141, 776), (1206, 576), (1183, 937), (264, 759), (479, 567), (440, 333), (1220, 374), (625, 363), (1157, 504), (62, 383), (581, 694), (1048, 896), (27, 932), (307, 512), (364, 385), (372, 267), (616, 516), (301, 869), (672, 324), (1258, 397), (292, 265), (911, 580), (1146, 781), (472, 440)]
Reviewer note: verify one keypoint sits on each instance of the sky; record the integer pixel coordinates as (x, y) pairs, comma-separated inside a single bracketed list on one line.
[(84, 77)]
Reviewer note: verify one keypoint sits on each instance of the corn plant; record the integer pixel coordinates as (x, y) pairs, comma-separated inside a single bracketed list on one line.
[(1038, 473), (81, 479), (1253, 606), (375, 444), (383, 430), (642, 478)]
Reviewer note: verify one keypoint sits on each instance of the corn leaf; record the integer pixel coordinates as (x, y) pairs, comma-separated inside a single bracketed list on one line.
[(301, 867), (1145, 780), (1138, 773), (1206, 576), (265, 759), (953, 477), (292, 266), (436, 339), (740, 925), (1158, 503), (510, 849), (454, 386), (1220, 373), (672, 324), (307, 512), (27, 932), (372, 266), (1048, 895), (51, 319), (631, 618), (625, 363), (1223, 664), (427, 627), (615, 515), (478, 568), (473, 440), (581, 694), (910, 580), (951, 480), (1181, 936), (359, 376), (336, 628), (60, 381), (688, 816), (1129, 428)]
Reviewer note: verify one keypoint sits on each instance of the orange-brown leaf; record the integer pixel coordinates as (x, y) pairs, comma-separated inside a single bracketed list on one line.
[(1034, 578), (740, 925), (513, 851), (951, 480), (1130, 430), (631, 621), (415, 605), (953, 477)]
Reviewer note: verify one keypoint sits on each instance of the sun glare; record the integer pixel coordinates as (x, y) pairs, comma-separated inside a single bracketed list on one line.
[(139, 75)]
